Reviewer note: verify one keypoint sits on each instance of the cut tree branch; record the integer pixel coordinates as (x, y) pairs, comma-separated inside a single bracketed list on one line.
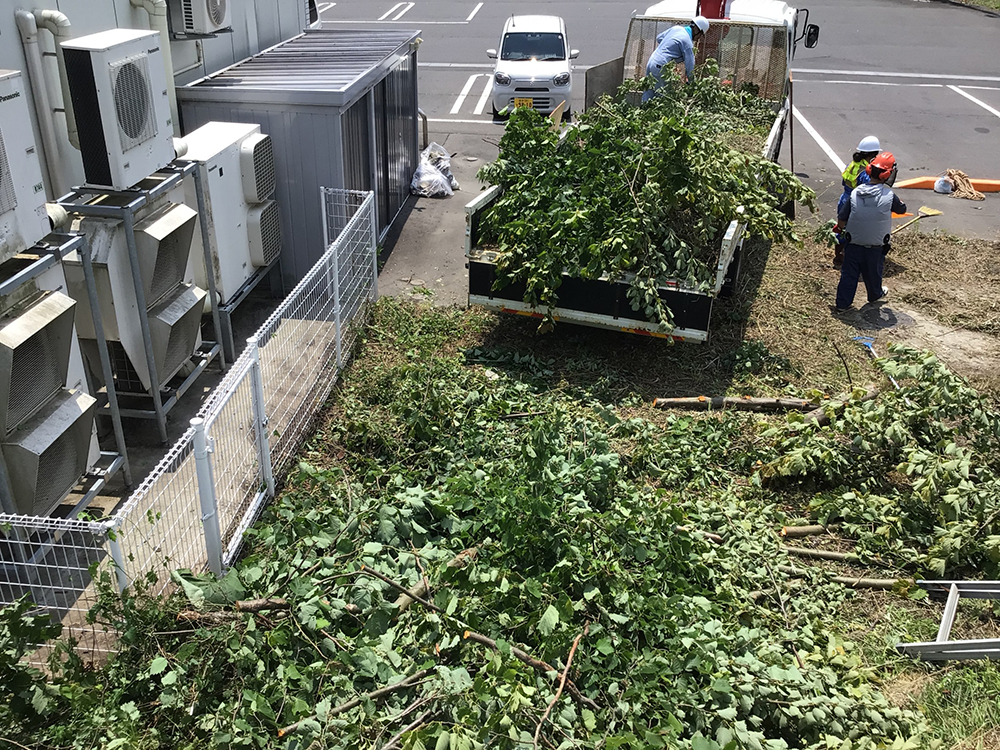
[(531, 661), (373, 695), (418, 722), (797, 532), (883, 584), (562, 683), (365, 570), (746, 403), (819, 415)]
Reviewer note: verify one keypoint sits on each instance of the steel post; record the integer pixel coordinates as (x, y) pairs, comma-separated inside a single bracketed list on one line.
[(370, 201), (334, 269), (213, 294), (260, 416), (206, 493), (115, 548), (102, 350)]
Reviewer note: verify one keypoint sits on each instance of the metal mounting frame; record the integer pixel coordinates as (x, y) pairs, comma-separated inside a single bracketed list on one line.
[(81, 201), (942, 649)]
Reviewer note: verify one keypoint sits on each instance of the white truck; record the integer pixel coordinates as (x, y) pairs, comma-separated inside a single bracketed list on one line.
[(754, 45)]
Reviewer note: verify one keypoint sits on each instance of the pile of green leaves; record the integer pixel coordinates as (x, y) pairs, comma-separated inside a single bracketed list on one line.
[(538, 515), (913, 475), (637, 193)]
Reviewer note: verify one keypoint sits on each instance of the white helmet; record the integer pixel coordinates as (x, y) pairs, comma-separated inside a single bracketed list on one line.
[(869, 143), (702, 23)]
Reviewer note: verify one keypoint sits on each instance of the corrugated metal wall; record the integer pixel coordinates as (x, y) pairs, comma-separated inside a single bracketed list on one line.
[(357, 146), (396, 138), (307, 156)]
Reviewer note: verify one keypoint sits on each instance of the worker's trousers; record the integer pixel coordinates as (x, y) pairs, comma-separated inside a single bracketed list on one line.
[(866, 263)]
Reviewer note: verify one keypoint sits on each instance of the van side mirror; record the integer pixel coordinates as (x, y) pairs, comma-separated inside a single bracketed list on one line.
[(812, 35), (492, 54), (573, 54)]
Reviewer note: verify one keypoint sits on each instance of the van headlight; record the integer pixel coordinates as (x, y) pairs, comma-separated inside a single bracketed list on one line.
[(561, 80), (502, 79)]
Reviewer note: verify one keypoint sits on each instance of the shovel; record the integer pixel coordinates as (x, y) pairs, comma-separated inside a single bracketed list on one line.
[(924, 211)]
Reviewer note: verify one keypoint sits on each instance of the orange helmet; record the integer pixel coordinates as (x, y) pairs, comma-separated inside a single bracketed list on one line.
[(881, 166)]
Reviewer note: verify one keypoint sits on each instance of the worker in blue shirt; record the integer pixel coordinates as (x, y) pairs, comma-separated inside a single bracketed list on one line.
[(853, 176), (675, 45), (867, 222)]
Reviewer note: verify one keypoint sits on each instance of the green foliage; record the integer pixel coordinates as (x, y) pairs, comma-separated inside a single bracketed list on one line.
[(913, 475), (641, 193), (25, 695), (536, 513), (824, 234)]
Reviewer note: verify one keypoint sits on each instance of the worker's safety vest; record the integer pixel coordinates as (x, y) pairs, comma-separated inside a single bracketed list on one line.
[(870, 222), (851, 173)]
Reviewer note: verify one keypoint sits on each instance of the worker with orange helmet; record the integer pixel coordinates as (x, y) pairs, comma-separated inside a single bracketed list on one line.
[(854, 175), (867, 222)]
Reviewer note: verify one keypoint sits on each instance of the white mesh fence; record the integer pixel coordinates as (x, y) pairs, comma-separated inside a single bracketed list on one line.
[(192, 509)]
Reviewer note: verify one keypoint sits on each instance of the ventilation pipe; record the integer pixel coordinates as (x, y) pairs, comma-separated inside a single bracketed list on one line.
[(57, 23), (157, 12), (28, 29)]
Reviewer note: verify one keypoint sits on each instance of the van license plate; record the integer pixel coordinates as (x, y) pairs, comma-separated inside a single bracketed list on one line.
[(525, 101)]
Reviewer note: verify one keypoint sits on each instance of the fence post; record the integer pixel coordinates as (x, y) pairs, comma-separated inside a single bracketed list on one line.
[(206, 493), (260, 415), (335, 247), (370, 199), (115, 548)]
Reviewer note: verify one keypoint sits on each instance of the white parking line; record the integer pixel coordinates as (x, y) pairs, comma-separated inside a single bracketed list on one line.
[(394, 8), (484, 121), (465, 92), (487, 90), (466, 66), (324, 7), (881, 74), (883, 83), (474, 11), (819, 140), (971, 98)]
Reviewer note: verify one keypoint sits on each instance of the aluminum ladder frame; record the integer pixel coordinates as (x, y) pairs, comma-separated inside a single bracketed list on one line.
[(943, 649)]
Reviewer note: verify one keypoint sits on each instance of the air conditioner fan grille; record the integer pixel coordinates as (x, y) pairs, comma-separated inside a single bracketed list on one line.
[(59, 468), (133, 100), (34, 377), (270, 235), (8, 197), (217, 11), (263, 168)]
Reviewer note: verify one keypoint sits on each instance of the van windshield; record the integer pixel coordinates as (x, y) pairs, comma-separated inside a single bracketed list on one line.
[(526, 46)]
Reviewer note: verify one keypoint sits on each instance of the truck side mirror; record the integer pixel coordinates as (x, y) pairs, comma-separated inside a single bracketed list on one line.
[(573, 54), (812, 35), (492, 54)]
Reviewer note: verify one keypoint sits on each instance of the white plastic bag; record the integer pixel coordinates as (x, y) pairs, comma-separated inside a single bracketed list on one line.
[(433, 178), (943, 185)]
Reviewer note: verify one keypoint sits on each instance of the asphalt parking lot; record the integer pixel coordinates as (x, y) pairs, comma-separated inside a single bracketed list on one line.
[(921, 74)]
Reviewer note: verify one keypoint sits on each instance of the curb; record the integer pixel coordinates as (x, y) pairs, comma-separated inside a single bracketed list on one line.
[(981, 8)]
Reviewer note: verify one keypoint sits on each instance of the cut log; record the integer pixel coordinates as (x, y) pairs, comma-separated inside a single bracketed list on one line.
[(746, 403), (797, 532)]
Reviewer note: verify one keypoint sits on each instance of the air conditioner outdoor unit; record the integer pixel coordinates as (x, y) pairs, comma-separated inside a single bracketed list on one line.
[(163, 242), (47, 454), (23, 220), (237, 167), (118, 85), (205, 16), (34, 357)]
